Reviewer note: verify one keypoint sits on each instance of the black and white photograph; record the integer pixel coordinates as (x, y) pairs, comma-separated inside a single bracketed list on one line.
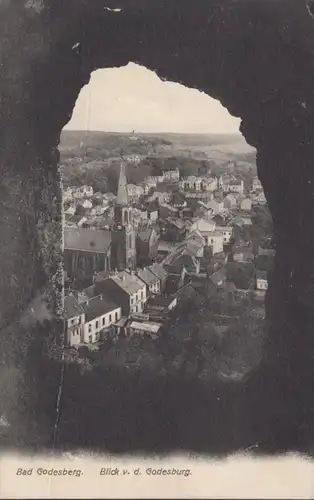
[(156, 232)]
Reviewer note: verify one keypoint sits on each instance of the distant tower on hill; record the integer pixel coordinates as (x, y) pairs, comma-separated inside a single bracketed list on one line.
[(123, 238)]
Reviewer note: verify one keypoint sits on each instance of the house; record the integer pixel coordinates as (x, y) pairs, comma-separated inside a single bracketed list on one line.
[(67, 194), (215, 240), (147, 244), (189, 262), (242, 253), (195, 244), (174, 229), (245, 204), (126, 289), (86, 203), (159, 271), (100, 313), (74, 316), (234, 186), (87, 191), (216, 206), (140, 215), (256, 184), (134, 191), (75, 221), (171, 175), (203, 226), (230, 201), (212, 237), (153, 283), (69, 209), (191, 182), (159, 306), (149, 328), (227, 232), (86, 251), (260, 198), (261, 280), (156, 179), (209, 184)]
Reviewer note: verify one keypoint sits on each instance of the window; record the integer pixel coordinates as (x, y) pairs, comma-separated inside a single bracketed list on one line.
[(117, 316), (142, 294), (89, 328), (103, 321), (136, 309), (110, 318), (97, 323), (90, 338), (72, 321)]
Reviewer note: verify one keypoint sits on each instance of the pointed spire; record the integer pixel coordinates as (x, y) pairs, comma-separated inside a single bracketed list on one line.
[(122, 193)]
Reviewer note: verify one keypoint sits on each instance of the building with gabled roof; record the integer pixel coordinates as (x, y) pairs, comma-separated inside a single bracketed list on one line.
[(74, 316), (125, 288)]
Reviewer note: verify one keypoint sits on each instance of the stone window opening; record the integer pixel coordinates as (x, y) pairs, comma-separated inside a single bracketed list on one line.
[(257, 63)]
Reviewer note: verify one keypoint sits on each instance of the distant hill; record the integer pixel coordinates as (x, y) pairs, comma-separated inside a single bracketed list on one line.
[(108, 144)]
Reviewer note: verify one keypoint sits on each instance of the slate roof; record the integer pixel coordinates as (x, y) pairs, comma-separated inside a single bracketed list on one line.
[(130, 283), (71, 307), (147, 276), (87, 240), (97, 307), (158, 270)]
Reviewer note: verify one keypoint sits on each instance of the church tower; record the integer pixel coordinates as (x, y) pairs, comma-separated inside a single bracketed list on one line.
[(123, 243)]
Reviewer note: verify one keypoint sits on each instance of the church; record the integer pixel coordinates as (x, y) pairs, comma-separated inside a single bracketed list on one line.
[(123, 238), (90, 251)]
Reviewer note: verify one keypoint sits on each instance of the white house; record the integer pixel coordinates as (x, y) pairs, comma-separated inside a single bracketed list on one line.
[(74, 316), (235, 186), (261, 280), (226, 232), (245, 204), (202, 226), (100, 313), (210, 184), (191, 182), (213, 237), (171, 175), (86, 203)]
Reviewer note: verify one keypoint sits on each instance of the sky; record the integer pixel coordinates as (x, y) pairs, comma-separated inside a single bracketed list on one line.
[(133, 97)]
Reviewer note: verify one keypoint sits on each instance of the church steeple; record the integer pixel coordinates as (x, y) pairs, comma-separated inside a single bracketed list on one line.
[(122, 193), (123, 247)]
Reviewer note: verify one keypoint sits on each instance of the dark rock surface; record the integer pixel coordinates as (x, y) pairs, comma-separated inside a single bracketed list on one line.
[(257, 58)]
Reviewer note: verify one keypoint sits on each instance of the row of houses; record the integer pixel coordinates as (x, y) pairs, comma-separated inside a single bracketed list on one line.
[(112, 296)]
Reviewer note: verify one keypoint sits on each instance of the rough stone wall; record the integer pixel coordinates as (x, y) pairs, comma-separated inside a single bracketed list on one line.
[(255, 56)]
